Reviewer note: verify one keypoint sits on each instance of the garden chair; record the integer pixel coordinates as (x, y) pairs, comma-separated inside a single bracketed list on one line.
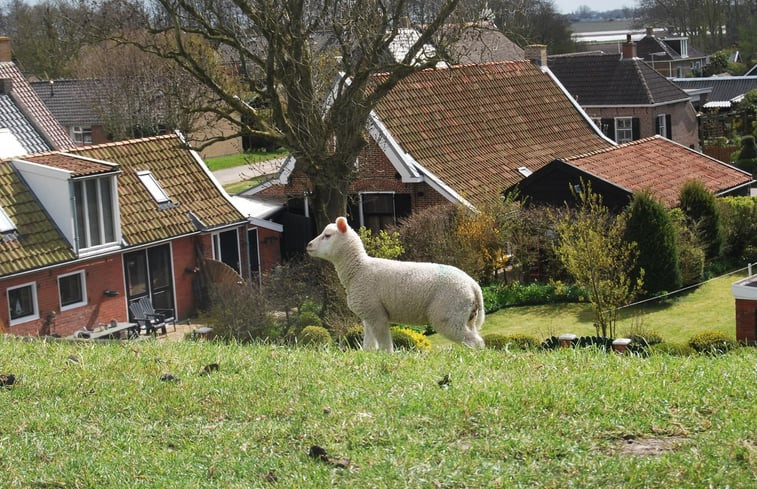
[(149, 319)]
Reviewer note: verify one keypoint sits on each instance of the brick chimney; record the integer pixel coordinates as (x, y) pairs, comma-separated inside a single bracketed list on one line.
[(650, 31), (629, 48), (536, 53), (5, 49)]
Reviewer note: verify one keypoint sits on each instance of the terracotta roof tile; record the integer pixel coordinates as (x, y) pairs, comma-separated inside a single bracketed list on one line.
[(77, 165), (474, 125), (661, 166)]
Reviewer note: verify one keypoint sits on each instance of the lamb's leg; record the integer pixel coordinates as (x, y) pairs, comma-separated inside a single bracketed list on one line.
[(370, 343), (384, 337)]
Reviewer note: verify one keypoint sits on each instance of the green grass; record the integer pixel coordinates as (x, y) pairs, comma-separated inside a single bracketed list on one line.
[(241, 159), (708, 307), (237, 187), (567, 418)]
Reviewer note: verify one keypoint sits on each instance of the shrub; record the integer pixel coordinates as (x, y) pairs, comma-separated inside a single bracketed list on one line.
[(644, 336), (702, 214), (516, 341), (314, 335), (408, 339), (353, 337), (306, 318), (518, 294), (239, 312), (382, 245), (739, 219), (650, 226), (672, 349), (690, 251), (712, 343)]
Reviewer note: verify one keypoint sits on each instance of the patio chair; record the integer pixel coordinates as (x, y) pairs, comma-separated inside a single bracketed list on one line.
[(149, 319)]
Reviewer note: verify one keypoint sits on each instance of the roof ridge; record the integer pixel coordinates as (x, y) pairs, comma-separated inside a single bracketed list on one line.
[(123, 142), (611, 148)]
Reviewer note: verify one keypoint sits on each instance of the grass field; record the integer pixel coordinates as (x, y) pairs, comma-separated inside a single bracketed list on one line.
[(242, 159), (708, 307), (108, 415)]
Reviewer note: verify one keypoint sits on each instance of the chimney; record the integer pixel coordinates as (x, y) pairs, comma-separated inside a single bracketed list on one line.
[(5, 49), (650, 31), (629, 48), (6, 86), (537, 54)]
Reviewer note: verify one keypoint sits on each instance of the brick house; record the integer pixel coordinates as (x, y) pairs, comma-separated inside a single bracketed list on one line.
[(88, 230), (626, 98), (460, 134), (655, 164)]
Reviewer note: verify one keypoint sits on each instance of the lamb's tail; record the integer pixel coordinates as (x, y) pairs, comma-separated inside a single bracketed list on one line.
[(478, 313)]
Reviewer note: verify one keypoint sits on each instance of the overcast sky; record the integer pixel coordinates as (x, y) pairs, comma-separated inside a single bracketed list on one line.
[(568, 6)]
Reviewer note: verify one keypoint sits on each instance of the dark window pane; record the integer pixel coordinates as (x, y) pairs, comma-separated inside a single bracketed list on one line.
[(136, 273), (106, 203), (21, 302), (71, 289), (93, 214)]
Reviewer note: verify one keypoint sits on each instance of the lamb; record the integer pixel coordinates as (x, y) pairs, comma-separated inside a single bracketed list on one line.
[(381, 291)]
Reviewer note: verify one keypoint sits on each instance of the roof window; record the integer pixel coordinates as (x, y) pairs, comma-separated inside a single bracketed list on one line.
[(152, 185)]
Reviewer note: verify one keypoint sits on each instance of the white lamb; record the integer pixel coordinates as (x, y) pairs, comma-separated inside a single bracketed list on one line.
[(384, 291)]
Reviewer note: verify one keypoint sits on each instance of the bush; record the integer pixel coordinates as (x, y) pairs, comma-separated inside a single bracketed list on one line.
[(671, 349), (644, 336), (408, 339), (698, 204), (306, 318), (518, 294), (650, 226), (314, 335), (690, 251), (712, 343), (383, 245), (739, 218), (239, 312), (516, 341), (353, 337)]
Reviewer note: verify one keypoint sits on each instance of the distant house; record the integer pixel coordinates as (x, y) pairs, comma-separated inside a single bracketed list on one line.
[(671, 56), (86, 231), (484, 44), (73, 104), (626, 98), (461, 134), (654, 164), (26, 125)]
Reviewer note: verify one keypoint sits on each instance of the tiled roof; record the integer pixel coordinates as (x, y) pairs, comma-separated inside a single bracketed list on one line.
[(78, 166), (13, 119), (669, 45), (606, 79), (24, 96), (38, 242), (474, 125), (72, 102), (661, 166), (724, 88), (184, 180)]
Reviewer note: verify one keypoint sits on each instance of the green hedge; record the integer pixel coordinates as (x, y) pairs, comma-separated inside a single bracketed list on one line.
[(516, 294)]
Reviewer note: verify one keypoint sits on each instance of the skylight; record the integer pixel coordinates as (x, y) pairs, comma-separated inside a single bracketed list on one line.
[(524, 171), (153, 187), (6, 225)]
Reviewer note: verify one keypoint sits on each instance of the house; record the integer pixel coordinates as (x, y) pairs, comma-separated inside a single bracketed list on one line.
[(626, 97), (460, 134), (26, 125), (655, 164), (484, 44), (88, 230), (671, 56)]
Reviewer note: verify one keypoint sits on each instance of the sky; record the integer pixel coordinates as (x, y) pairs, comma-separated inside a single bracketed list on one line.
[(568, 6)]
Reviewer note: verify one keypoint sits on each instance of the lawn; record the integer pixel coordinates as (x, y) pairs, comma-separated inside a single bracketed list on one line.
[(708, 307), (155, 415), (242, 159)]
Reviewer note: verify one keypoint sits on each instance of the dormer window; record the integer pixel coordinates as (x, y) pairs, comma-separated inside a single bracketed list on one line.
[(152, 186), (95, 216)]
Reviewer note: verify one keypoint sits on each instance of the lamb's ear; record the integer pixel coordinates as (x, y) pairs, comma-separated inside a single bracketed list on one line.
[(341, 224)]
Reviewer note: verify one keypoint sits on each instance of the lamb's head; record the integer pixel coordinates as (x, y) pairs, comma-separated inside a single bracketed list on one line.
[(337, 239)]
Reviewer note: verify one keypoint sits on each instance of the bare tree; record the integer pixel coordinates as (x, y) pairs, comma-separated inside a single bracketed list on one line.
[(286, 53)]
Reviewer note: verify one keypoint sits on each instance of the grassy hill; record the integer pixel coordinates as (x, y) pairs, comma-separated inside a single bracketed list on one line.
[(153, 415)]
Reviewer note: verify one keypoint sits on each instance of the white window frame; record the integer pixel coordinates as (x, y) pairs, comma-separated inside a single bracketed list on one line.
[(662, 127), (152, 186), (82, 282), (625, 130), (81, 135), (85, 241), (6, 224), (35, 304)]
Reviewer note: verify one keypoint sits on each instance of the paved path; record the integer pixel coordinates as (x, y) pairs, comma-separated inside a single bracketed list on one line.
[(246, 172)]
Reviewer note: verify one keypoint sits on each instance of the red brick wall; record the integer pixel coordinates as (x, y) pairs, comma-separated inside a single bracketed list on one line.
[(375, 174), (101, 274), (746, 320)]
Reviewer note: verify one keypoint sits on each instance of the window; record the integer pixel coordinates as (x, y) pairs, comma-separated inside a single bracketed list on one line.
[(6, 225), (379, 210), (623, 129), (72, 290), (81, 135), (226, 248), (662, 125), (152, 185), (95, 224), (22, 301)]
